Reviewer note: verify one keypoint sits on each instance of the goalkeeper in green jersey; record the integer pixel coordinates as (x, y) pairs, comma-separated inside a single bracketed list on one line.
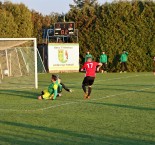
[(52, 91)]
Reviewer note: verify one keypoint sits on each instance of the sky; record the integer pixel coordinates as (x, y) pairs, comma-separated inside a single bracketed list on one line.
[(47, 6)]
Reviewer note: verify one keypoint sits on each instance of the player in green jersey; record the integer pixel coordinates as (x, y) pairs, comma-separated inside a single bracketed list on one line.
[(88, 55), (123, 61), (52, 91), (103, 60)]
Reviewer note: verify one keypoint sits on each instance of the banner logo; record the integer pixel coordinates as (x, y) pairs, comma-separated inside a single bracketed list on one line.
[(62, 55)]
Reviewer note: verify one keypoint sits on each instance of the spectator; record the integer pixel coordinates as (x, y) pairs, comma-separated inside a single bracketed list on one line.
[(103, 60), (123, 61), (154, 65), (88, 55)]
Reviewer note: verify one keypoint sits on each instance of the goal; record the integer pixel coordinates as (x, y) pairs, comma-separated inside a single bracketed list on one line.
[(18, 63)]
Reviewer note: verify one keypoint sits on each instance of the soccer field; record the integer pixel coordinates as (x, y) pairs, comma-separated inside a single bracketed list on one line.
[(121, 111)]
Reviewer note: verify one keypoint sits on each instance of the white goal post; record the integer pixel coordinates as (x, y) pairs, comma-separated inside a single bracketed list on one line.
[(18, 63)]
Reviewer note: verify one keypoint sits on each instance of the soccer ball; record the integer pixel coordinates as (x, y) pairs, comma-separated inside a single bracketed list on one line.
[(6, 72)]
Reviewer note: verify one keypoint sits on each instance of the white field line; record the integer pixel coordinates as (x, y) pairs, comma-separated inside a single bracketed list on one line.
[(123, 78), (79, 101), (126, 77), (19, 88)]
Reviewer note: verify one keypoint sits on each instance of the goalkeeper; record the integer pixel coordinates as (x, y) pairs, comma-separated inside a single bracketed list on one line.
[(52, 91)]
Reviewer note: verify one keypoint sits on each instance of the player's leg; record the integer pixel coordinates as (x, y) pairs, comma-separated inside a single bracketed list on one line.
[(44, 95), (121, 67), (89, 91), (40, 97), (105, 67), (125, 66), (64, 87), (84, 84), (102, 68), (91, 81)]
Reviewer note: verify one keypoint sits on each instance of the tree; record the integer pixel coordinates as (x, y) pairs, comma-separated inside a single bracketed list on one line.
[(116, 26), (37, 19), (8, 27), (80, 3), (22, 17)]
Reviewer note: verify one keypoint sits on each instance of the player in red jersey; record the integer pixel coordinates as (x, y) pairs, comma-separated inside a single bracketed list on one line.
[(90, 67)]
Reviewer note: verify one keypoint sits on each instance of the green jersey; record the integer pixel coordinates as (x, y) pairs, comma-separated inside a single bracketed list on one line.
[(124, 57), (52, 90), (88, 56), (103, 58)]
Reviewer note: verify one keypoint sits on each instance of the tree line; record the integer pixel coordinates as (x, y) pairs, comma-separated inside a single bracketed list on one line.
[(111, 27), (16, 20)]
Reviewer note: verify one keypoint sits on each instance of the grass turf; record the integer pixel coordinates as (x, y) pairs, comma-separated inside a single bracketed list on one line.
[(121, 111)]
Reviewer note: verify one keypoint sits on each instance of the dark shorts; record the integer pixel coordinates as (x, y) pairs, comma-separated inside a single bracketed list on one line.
[(104, 65), (88, 81)]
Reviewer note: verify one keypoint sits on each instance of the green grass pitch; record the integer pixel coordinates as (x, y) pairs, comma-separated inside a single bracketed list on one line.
[(121, 111)]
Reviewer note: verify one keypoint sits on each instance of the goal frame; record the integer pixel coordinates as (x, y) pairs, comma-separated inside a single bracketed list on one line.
[(35, 53)]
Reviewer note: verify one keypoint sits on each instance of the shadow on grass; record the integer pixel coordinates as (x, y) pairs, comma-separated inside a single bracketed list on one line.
[(31, 94), (62, 137), (123, 106), (23, 93)]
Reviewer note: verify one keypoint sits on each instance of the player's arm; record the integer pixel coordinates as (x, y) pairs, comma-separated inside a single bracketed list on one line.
[(99, 66), (83, 67), (106, 59)]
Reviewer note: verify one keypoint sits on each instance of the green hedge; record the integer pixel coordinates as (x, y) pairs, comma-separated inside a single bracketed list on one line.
[(114, 27)]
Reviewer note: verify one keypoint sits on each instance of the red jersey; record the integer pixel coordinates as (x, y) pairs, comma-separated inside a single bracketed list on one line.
[(90, 68)]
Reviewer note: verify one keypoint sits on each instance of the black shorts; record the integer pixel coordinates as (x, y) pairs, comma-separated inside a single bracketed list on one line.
[(88, 81), (104, 65)]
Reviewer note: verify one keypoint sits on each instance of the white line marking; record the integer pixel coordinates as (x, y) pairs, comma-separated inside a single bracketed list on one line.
[(122, 78), (68, 103), (116, 78)]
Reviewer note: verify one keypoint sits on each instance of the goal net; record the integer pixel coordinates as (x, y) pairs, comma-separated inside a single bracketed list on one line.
[(18, 63)]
